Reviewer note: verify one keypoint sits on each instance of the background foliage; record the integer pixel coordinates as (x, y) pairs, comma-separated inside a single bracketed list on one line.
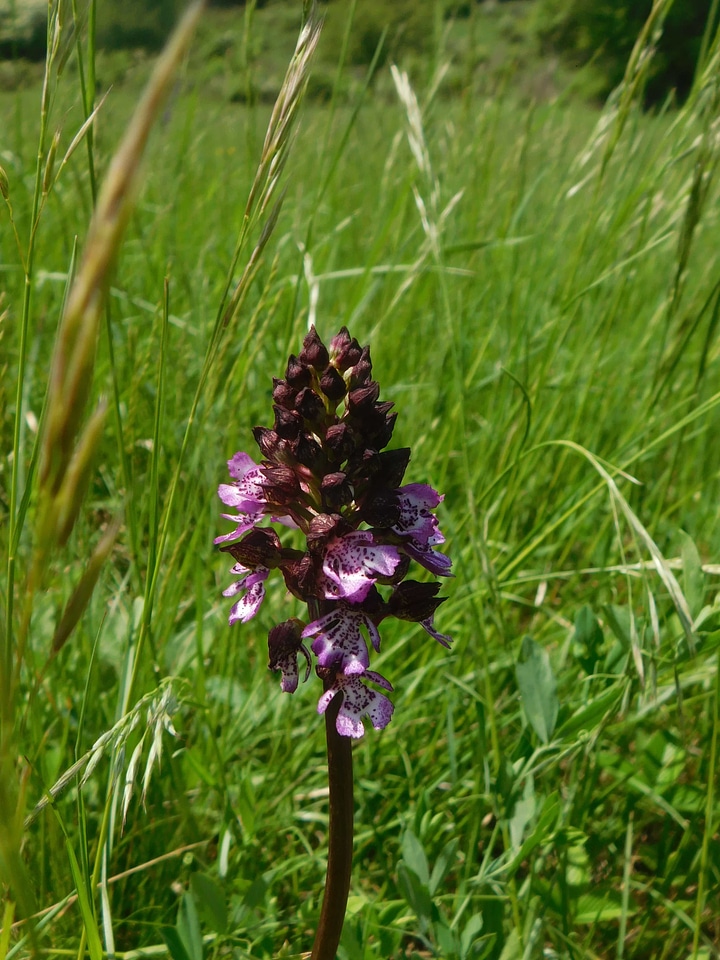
[(539, 283)]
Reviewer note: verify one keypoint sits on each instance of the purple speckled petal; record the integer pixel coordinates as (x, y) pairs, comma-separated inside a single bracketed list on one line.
[(432, 560), (353, 563), (289, 667), (247, 522), (358, 701), (340, 640), (416, 500), (442, 638), (249, 604), (240, 464)]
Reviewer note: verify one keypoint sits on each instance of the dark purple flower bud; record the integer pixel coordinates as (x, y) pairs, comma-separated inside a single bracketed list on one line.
[(338, 438), (284, 645), (360, 374), (314, 352), (322, 528), (297, 373), (267, 440), (301, 577), (344, 350), (362, 398), (391, 465), (283, 394), (310, 453), (287, 423), (280, 484), (336, 490), (332, 384), (414, 601), (381, 508), (383, 435), (309, 405), (259, 548)]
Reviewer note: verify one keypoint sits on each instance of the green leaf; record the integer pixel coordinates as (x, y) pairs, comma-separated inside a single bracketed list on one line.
[(693, 579), (541, 833), (444, 862), (588, 639), (523, 813), (188, 926), (94, 944), (415, 858), (600, 907), (618, 619), (470, 934), (588, 716), (210, 901), (415, 893), (538, 688), (175, 946)]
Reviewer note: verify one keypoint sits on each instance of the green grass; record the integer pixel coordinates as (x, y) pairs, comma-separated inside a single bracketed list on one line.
[(564, 320)]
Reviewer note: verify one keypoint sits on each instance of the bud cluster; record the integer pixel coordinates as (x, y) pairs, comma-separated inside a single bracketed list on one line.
[(324, 471)]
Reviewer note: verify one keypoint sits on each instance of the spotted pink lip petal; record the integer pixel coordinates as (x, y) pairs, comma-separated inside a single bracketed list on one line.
[(240, 464), (353, 563), (358, 701), (339, 639), (416, 500), (249, 604)]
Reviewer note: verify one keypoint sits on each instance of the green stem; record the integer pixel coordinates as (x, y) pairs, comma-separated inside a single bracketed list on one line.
[(340, 838)]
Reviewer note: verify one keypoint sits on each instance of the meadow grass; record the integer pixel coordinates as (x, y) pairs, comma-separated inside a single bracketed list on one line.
[(539, 285)]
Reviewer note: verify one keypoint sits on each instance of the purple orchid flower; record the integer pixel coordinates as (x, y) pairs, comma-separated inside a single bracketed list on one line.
[(325, 473), (353, 563), (252, 582), (358, 701), (415, 501), (246, 495), (339, 639)]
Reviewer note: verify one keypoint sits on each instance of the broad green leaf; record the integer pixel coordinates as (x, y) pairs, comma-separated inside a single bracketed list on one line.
[(176, 947), (188, 926), (210, 901), (588, 716), (523, 813), (470, 934), (443, 864), (693, 579), (588, 639), (538, 689), (540, 834), (599, 908), (415, 893), (414, 857), (618, 619)]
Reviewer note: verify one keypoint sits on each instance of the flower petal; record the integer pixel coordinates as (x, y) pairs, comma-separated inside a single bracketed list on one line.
[(249, 604), (340, 640), (354, 562), (416, 500), (434, 561), (429, 627), (358, 701), (240, 464)]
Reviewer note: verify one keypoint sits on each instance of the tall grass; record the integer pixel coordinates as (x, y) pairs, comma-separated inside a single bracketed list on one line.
[(539, 284)]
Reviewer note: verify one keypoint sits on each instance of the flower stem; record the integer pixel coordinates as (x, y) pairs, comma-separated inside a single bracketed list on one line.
[(340, 838)]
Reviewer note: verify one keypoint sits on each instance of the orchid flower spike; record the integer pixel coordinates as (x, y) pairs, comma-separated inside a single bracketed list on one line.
[(324, 470)]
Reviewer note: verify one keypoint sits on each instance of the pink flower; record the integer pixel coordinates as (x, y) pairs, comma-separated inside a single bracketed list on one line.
[(252, 582), (358, 701), (353, 563), (246, 495), (416, 500), (339, 639)]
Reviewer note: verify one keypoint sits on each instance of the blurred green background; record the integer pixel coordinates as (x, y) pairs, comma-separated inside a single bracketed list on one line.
[(516, 36)]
